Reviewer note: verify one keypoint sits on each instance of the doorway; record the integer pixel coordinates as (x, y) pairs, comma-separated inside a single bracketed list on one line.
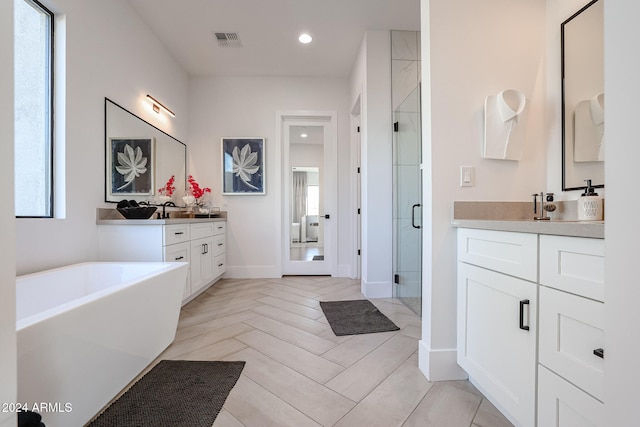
[(407, 202), (309, 194)]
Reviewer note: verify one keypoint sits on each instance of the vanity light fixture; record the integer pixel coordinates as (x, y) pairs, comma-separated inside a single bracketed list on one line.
[(305, 38), (157, 106)]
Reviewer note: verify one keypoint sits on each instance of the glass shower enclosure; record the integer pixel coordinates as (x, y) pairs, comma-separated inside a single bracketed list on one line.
[(407, 202)]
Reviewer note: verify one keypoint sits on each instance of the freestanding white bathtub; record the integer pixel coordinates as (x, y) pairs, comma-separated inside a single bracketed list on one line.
[(86, 330)]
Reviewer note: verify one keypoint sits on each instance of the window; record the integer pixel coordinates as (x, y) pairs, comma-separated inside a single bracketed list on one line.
[(313, 200), (33, 105)]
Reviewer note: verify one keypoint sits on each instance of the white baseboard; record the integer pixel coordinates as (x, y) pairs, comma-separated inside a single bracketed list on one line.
[(252, 272), (376, 289), (440, 364), (344, 270)]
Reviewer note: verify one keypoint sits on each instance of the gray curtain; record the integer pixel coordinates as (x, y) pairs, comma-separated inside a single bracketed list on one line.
[(299, 195)]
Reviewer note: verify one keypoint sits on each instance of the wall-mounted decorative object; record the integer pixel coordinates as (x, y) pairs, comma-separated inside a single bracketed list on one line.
[(503, 136), (130, 166), (243, 166), (589, 130)]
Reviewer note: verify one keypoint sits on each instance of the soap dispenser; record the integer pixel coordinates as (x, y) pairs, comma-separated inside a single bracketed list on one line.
[(589, 204)]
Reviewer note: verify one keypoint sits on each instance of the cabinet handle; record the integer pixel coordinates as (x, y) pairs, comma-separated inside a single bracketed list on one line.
[(179, 258), (522, 304), (599, 352), (220, 265), (177, 233), (220, 244)]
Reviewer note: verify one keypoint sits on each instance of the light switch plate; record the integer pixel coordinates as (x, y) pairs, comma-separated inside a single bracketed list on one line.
[(467, 177)]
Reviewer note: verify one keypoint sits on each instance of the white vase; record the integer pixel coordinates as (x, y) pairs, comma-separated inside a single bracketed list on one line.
[(189, 200)]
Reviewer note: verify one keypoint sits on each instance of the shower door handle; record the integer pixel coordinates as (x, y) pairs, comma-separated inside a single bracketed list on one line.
[(413, 215)]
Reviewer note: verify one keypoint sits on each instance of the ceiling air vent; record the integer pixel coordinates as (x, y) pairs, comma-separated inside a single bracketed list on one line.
[(228, 39)]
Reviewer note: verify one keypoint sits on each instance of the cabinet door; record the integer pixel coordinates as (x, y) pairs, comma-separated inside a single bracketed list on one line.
[(561, 404), (497, 339), (202, 265)]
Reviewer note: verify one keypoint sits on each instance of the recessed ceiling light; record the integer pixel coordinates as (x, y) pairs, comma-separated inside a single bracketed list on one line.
[(305, 38), (303, 135)]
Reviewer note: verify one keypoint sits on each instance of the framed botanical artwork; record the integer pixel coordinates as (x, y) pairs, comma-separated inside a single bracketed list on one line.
[(243, 166), (130, 167)]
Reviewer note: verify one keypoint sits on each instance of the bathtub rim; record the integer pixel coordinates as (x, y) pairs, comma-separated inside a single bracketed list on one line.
[(163, 267)]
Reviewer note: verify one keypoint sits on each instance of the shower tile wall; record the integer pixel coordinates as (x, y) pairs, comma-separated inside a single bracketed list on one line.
[(405, 64)]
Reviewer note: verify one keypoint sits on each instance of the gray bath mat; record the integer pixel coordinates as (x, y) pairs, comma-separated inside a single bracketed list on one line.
[(174, 393), (318, 258), (356, 317)]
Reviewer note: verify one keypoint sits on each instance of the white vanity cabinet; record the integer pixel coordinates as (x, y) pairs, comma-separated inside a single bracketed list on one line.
[(207, 253), (571, 355), (559, 358), (201, 243), (497, 318)]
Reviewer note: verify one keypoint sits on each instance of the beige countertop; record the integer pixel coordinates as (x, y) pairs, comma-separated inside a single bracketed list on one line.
[(518, 217), (106, 216)]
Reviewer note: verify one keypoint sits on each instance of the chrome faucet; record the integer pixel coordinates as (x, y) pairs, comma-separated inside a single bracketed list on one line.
[(549, 207)]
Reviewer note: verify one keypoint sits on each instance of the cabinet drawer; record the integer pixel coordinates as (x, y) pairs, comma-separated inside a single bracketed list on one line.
[(573, 264), (219, 244), (571, 328), (201, 229), (177, 252), (219, 227), (561, 404), (219, 264), (515, 254), (176, 233)]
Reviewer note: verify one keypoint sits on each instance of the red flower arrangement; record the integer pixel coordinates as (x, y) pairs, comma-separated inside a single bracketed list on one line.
[(168, 188), (196, 190)]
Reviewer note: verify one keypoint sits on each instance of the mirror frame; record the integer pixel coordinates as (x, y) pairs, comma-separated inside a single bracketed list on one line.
[(563, 108), (108, 101)]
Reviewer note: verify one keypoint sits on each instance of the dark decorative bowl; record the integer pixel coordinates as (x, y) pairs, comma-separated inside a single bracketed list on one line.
[(137, 212)]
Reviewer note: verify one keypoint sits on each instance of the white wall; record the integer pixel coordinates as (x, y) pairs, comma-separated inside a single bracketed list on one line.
[(247, 106), (109, 52), (371, 81), (7, 219), (507, 50), (622, 229)]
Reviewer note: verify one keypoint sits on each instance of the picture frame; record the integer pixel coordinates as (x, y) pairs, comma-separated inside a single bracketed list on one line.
[(130, 167), (243, 166)]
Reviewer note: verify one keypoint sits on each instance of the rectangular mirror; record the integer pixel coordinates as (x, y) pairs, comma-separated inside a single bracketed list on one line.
[(140, 158), (582, 38)]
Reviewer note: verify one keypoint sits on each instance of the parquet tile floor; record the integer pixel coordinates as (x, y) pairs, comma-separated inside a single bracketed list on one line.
[(298, 373)]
